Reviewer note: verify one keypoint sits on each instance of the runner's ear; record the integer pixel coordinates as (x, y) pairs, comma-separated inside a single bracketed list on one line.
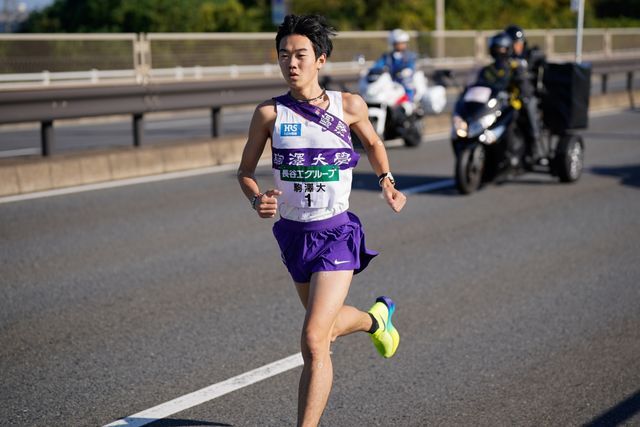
[(321, 60)]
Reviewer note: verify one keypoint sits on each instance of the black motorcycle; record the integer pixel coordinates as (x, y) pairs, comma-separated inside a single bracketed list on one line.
[(490, 145)]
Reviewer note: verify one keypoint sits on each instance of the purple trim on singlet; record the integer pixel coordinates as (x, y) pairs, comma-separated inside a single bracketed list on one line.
[(319, 116), (323, 224), (344, 158)]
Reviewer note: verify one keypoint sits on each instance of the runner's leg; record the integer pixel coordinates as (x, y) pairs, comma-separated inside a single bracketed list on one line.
[(327, 292), (349, 319)]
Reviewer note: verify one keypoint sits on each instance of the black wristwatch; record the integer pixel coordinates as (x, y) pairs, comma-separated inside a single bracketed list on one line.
[(386, 175), (254, 199)]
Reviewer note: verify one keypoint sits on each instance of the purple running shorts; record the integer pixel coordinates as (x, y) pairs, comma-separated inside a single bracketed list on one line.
[(332, 244)]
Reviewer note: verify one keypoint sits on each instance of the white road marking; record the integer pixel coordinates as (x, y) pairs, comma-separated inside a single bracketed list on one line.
[(216, 390), (208, 393)]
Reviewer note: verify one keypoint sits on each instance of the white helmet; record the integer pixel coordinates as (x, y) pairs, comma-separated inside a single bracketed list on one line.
[(398, 36)]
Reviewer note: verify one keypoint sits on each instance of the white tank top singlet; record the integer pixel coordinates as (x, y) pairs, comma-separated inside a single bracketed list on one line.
[(311, 165)]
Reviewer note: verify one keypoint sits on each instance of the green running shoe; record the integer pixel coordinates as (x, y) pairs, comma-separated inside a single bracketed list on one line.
[(386, 338)]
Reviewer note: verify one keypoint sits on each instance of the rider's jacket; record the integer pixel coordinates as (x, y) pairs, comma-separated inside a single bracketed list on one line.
[(401, 66), (511, 75)]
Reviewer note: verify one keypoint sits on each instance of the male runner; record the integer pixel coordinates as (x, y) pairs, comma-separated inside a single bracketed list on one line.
[(322, 244)]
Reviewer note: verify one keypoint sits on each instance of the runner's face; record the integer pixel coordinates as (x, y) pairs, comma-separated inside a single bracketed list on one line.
[(298, 62)]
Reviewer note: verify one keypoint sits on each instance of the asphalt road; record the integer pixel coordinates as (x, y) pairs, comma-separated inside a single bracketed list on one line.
[(518, 305)]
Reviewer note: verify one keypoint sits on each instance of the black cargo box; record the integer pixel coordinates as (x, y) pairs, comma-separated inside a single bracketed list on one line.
[(565, 103)]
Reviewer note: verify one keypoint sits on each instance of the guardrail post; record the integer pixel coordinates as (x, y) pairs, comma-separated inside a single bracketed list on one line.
[(480, 46), (440, 40), (630, 89), (142, 58), (605, 78), (216, 118), (138, 129), (46, 137), (549, 43), (607, 44)]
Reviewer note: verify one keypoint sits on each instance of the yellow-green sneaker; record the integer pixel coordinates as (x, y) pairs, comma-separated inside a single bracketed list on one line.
[(386, 337)]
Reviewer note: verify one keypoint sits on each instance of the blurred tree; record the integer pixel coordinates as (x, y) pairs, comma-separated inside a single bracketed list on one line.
[(372, 14), (255, 15), (492, 14), (617, 8), (150, 16)]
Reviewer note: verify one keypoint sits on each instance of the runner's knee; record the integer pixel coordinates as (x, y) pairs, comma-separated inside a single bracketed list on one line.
[(315, 343)]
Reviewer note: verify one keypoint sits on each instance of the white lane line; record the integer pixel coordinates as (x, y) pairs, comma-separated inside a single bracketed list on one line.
[(208, 393), (431, 186), (243, 380), (124, 182)]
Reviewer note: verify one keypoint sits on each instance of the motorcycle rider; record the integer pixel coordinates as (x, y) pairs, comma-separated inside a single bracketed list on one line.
[(500, 72), (510, 71), (399, 61), (527, 61)]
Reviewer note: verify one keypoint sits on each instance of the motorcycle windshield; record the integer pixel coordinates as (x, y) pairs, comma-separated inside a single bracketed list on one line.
[(474, 102)]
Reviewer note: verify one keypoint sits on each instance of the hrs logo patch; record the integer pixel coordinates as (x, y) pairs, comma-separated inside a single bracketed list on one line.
[(290, 129)]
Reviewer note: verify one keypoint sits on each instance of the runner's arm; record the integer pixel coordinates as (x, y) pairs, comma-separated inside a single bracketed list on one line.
[(259, 132), (357, 116)]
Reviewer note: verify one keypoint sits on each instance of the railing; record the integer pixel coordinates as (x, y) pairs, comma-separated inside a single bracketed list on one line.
[(163, 72), (46, 106), (32, 60)]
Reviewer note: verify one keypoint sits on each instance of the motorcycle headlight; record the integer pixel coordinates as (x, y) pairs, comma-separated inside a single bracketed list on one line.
[(487, 120), (478, 126), (459, 126)]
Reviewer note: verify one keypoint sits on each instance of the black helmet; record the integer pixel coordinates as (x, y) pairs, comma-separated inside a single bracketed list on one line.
[(515, 32), (500, 46)]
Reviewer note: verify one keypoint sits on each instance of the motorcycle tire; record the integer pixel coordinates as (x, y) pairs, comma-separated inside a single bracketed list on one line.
[(569, 158), (355, 140), (412, 134), (469, 169)]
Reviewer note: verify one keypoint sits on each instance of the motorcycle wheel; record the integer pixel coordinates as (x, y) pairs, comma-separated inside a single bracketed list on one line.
[(412, 134), (569, 158), (469, 169), (355, 140)]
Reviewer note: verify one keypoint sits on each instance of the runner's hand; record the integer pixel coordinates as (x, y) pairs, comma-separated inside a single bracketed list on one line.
[(267, 205), (394, 198)]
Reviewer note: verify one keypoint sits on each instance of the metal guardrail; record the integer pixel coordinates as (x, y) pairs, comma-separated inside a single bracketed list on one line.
[(59, 59), (47, 105)]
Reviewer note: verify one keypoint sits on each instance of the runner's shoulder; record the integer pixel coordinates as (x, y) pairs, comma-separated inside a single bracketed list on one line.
[(353, 104), (266, 110)]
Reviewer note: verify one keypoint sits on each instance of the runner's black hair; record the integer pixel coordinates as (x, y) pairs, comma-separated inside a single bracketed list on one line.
[(314, 27)]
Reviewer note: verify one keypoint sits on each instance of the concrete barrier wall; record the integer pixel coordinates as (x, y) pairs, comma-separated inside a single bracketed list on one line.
[(31, 174)]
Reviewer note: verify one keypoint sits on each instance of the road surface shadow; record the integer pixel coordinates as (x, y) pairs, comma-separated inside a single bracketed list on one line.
[(173, 422), (629, 175), (369, 182), (619, 414)]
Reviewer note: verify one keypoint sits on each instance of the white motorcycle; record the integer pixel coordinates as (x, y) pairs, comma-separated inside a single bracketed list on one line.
[(390, 111)]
